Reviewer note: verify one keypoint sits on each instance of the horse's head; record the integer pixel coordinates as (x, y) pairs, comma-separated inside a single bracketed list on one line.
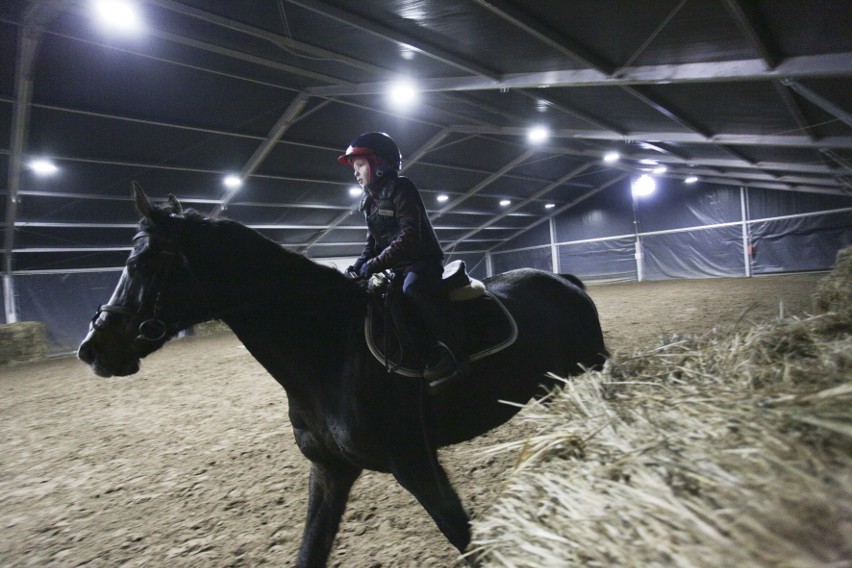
[(156, 296)]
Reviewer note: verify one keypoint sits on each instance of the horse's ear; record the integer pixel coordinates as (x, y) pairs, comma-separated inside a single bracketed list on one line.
[(175, 205), (143, 204)]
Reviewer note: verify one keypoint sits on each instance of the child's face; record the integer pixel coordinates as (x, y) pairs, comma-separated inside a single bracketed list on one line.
[(363, 171)]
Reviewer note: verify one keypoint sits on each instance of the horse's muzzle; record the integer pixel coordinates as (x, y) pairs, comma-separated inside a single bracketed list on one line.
[(119, 363)]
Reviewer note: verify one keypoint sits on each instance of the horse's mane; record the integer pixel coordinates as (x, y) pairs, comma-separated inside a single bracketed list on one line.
[(227, 241)]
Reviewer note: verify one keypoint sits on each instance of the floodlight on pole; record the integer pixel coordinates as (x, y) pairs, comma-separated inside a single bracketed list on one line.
[(118, 15), (643, 186), (233, 182), (43, 167)]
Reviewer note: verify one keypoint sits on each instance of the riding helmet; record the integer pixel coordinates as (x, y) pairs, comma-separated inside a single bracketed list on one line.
[(376, 144)]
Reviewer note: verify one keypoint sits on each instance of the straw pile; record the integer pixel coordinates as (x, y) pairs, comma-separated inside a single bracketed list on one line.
[(725, 449)]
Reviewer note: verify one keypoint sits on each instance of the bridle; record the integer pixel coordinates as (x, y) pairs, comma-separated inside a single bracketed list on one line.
[(152, 329)]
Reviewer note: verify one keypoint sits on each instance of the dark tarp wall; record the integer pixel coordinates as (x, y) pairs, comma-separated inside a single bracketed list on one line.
[(540, 257), (688, 231), (799, 243), (603, 260), (65, 302), (706, 253)]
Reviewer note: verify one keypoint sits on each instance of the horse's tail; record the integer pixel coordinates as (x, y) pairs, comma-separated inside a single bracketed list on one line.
[(574, 280)]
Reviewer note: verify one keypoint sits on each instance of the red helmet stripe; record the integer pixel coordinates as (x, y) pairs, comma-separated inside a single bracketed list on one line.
[(352, 152)]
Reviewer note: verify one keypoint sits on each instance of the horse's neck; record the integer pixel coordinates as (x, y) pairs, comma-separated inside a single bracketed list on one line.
[(294, 316)]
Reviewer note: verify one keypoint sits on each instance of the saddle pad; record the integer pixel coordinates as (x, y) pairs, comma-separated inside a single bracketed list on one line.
[(484, 327)]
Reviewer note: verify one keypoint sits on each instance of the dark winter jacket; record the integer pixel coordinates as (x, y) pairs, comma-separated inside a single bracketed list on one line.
[(400, 233)]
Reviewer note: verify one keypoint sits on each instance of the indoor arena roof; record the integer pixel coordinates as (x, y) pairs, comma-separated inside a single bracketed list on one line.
[(185, 93)]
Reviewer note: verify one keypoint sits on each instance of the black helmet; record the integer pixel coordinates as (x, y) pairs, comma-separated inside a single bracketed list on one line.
[(376, 144)]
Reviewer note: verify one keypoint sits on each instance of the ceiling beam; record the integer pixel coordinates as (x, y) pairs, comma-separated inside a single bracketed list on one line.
[(483, 184), (564, 208), (751, 25), (820, 101), (826, 65), (286, 43), (399, 31), (291, 114), (782, 140), (546, 35), (520, 205)]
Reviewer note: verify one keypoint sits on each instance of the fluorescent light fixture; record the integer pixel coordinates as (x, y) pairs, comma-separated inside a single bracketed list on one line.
[(402, 93), (356, 191), (442, 198), (505, 203), (549, 205), (659, 170), (232, 181), (43, 167), (118, 15), (644, 185), (611, 157), (691, 179), (538, 134), (648, 162)]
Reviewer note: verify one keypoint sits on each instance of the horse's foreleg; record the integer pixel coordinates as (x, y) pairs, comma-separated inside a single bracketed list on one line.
[(328, 493), (428, 482)]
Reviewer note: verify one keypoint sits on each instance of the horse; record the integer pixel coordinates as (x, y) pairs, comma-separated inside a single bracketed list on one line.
[(304, 323)]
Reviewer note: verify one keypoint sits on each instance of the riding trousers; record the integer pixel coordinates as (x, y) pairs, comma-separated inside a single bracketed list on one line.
[(422, 295)]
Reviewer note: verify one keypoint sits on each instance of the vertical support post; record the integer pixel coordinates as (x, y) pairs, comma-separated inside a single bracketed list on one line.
[(37, 15), (9, 298), (554, 252), (638, 255), (489, 264), (746, 236)]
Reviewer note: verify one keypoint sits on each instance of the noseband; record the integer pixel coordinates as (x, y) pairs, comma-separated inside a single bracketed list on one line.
[(153, 328)]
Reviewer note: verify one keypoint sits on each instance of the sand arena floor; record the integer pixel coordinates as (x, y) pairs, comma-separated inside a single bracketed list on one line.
[(192, 462)]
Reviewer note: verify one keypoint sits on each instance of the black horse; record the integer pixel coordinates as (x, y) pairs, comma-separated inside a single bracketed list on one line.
[(305, 324)]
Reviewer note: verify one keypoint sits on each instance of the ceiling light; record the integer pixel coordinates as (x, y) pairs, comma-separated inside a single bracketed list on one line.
[(119, 15), (549, 205), (442, 198), (644, 185), (691, 179), (233, 181), (406, 52), (43, 167), (648, 162), (538, 134), (659, 170), (541, 106), (611, 157), (402, 93), (355, 191), (505, 203)]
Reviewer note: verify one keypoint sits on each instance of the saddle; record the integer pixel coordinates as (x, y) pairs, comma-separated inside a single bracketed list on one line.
[(481, 322)]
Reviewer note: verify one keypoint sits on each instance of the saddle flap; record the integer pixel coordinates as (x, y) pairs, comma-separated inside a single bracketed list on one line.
[(484, 327)]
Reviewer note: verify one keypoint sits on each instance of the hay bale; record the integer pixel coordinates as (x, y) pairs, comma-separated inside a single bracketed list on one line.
[(710, 450), (211, 327), (22, 342), (834, 292)]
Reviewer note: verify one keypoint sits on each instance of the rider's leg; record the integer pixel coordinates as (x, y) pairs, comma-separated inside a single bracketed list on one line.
[(421, 287)]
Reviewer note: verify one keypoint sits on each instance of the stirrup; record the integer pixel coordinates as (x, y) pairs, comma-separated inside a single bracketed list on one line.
[(458, 368)]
